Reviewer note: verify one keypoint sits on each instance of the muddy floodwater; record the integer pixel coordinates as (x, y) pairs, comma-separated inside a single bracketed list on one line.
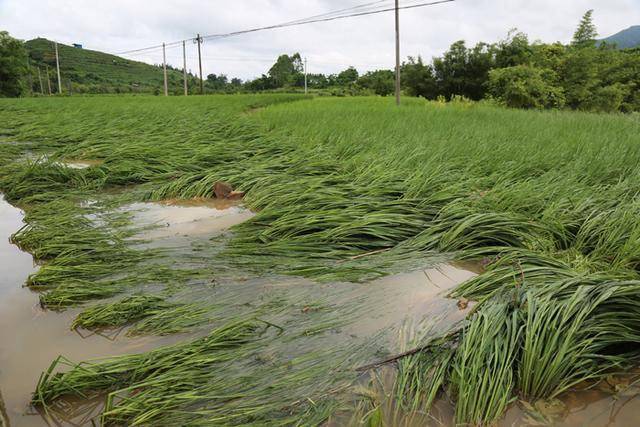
[(31, 338), (188, 218)]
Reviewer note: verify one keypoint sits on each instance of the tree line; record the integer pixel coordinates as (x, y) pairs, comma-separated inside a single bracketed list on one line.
[(515, 72), (583, 75)]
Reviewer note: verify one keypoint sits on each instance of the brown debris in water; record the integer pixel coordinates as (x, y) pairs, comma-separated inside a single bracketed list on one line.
[(463, 303), (222, 189)]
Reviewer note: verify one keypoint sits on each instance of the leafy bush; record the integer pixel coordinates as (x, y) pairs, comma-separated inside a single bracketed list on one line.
[(524, 86), (13, 65), (381, 82)]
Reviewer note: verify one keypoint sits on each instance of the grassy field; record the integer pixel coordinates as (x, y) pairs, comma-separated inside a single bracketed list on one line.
[(346, 190)]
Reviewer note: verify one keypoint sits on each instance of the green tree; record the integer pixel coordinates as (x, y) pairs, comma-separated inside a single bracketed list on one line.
[(463, 71), (548, 55), (524, 86), (317, 81), (261, 83), (217, 82), (13, 65), (586, 34), (579, 74), (606, 99), (381, 82), (418, 79), (347, 77), (514, 50), (286, 70)]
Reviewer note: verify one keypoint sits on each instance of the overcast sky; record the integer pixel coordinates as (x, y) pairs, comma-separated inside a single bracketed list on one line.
[(364, 42)]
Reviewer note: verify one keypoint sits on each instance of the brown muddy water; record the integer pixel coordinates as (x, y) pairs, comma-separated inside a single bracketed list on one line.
[(30, 338), (187, 218)]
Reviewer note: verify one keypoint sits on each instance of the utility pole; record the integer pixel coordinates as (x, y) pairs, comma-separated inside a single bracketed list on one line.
[(30, 77), (306, 88), (164, 68), (397, 52), (48, 79), (40, 80), (184, 67), (58, 67), (199, 40)]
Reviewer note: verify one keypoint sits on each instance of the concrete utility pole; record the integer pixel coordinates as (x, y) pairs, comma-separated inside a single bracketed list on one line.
[(306, 89), (164, 69), (48, 79), (58, 67), (199, 40), (397, 53), (184, 67), (40, 80)]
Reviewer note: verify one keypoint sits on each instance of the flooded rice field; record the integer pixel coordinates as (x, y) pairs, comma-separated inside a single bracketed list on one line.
[(30, 337), (377, 312)]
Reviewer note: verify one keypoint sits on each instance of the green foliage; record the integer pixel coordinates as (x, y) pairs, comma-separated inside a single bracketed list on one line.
[(482, 374), (286, 69), (96, 72), (347, 77), (514, 50), (524, 86), (525, 75), (418, 79), (381, 82), (586, 34), (463, 71), (547, 201), (13, 66), (120, 313)]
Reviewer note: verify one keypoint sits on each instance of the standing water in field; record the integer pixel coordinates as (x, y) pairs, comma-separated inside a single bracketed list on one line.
[(188, 218), (30, 337)]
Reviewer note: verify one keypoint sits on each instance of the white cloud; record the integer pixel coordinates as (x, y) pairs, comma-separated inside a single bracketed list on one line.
[(365, 42)]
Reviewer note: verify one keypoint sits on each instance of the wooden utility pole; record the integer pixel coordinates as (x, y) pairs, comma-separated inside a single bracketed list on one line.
[(199, 40), (30, 77), (58, 68), (184, 67), (40, 80), (306, 88), (164, 69), (397, 53), (48, 79)]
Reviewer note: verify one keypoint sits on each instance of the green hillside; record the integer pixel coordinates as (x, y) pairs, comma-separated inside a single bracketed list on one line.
[(626, 39), (90, 71)]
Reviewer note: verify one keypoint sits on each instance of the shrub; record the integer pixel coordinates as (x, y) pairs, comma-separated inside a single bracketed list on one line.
[(524, 86)]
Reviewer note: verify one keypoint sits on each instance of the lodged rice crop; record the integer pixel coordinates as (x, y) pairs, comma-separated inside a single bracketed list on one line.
[(349, 190)]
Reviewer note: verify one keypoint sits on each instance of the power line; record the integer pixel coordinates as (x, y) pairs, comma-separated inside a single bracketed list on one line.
[(298, 22), (327, 17)]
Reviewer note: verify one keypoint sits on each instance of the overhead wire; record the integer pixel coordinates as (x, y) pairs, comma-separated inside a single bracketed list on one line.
[(376, 7)]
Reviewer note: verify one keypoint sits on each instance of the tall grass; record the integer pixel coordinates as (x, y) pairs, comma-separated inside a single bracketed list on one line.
[(350, 189)]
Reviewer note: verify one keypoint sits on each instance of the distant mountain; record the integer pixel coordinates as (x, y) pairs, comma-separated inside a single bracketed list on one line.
[(625, 39), (98, 72)]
